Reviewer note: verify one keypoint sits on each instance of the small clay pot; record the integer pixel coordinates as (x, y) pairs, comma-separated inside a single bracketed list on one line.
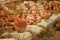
[(58, 25), (47, 15)]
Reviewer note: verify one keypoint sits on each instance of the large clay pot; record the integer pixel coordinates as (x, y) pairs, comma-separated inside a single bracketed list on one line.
[(20, 25)]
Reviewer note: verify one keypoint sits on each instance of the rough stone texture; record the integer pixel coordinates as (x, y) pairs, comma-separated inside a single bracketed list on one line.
[(34, 28)]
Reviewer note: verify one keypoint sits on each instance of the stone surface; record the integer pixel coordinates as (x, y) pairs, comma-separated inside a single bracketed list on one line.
[(22, 36), (43, 23), (34, 28)]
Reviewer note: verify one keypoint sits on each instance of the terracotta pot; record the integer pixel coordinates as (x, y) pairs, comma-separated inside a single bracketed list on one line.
[(46, 15), (58, 25), (2, 13), (20, 25), (1, 21), (9, 27)]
